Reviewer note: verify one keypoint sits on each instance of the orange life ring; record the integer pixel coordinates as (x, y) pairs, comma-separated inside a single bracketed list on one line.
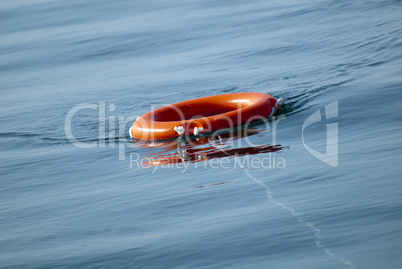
[(206, 114)]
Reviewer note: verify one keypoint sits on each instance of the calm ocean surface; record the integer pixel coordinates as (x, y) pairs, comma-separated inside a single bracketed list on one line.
[(75, 192)]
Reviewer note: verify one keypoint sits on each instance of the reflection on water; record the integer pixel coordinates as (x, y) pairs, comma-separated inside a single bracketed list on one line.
[(197, 149), (211, 185)]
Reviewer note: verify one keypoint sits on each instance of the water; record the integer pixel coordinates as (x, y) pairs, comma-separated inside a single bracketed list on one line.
[(63, 206)]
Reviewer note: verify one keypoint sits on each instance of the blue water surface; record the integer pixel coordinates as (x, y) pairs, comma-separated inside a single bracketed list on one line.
[(76, 191)]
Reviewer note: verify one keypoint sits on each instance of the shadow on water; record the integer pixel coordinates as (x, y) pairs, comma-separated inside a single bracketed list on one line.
[(227, 143)]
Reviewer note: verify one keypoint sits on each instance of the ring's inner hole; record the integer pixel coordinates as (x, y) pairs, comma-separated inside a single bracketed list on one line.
[(196, 110)]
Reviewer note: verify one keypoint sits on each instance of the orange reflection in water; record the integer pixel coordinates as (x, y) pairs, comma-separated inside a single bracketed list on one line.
[(204, 148)]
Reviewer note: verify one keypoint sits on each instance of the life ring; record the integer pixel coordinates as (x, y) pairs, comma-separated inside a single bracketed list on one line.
[(205, 114)]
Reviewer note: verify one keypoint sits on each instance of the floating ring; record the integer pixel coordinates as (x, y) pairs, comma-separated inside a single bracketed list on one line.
[(207, 114)]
